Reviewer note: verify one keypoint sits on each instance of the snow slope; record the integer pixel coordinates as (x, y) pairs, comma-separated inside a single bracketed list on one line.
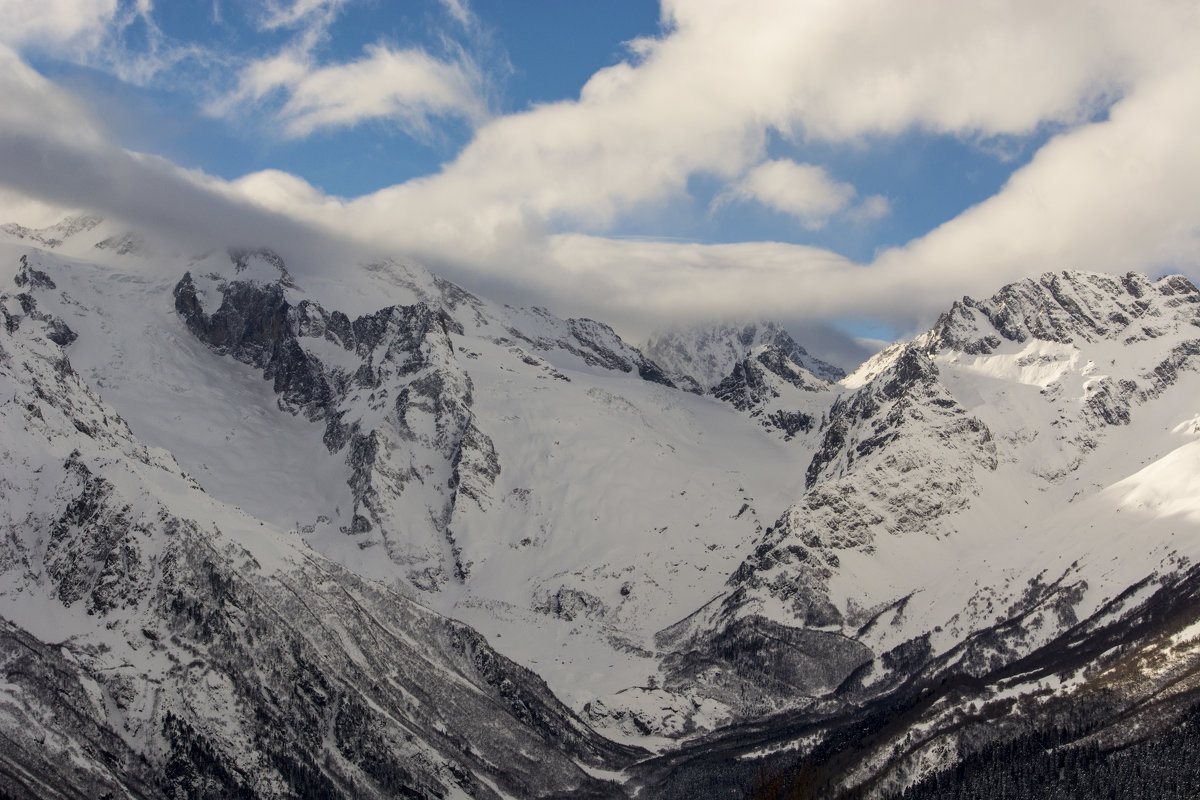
[(160, 642), (607, 516), (705, 534), (1010, 464)]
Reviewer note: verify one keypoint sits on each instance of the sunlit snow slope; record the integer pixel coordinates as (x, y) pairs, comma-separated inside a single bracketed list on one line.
[(717, 543), (595, 503)]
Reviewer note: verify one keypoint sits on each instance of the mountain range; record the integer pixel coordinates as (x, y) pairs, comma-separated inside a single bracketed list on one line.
[(273, 529)]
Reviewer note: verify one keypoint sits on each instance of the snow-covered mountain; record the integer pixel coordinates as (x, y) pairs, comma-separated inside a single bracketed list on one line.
[(275, 529), (757, 368), (163, 643), (536, 477), (705, 355), (1007, 485)]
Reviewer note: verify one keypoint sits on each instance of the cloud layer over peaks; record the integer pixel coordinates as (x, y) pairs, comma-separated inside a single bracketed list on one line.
[(732, 108)]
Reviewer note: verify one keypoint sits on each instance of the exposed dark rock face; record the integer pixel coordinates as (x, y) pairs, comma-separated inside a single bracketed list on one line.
[(568, 604), (93, 553), (869, 419), (400, 365), (597, 345), (957, 710), (122, 244), (758, 666), (744, 388), (256, 325), (790, 349), (698, 359), (649, 371), (202, 668), (790, 422), (31, 279), (1182, 357), (1063, 307), (56, 742), (756, 382)]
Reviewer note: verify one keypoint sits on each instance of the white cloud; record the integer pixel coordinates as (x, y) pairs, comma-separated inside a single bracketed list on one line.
[(840, 70), (277, 14), (1116, 195), (35, 108), (804, 191), (526, 203), (55, 24), (871, 208), (28, 211), (406, 86), (460, 10), (1113, 194), (52, 149), (640, 131)]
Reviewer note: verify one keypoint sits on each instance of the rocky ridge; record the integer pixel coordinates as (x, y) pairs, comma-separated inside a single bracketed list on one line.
[(197, 652), (977, 523), (902, 455), (391, 394), (757, 368)]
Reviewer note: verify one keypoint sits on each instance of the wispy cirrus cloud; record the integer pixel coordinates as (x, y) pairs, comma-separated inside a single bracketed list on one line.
[(407, 87), (275, 14), (95, 33), (55, 24), (460, 10)]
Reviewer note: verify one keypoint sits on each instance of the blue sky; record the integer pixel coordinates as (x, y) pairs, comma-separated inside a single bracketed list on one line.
[(866, 160), (535, 53)]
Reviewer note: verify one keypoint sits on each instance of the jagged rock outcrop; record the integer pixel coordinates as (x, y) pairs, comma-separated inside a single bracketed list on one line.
[(756, 386), (595, 343), (54, 235), (757, 368), (200, 653), (1064, 307), (705, 355), (422, 450), (31, 279), (122, 244), (905, 453)]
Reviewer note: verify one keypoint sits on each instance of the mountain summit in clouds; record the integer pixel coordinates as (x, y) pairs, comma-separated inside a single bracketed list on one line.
[(274, 531), (861, 162), (707, 354), (449, 399)]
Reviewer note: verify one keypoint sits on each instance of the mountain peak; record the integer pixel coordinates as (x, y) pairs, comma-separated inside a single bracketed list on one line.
[(707, 354), (54, 235), (1063, 307)]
